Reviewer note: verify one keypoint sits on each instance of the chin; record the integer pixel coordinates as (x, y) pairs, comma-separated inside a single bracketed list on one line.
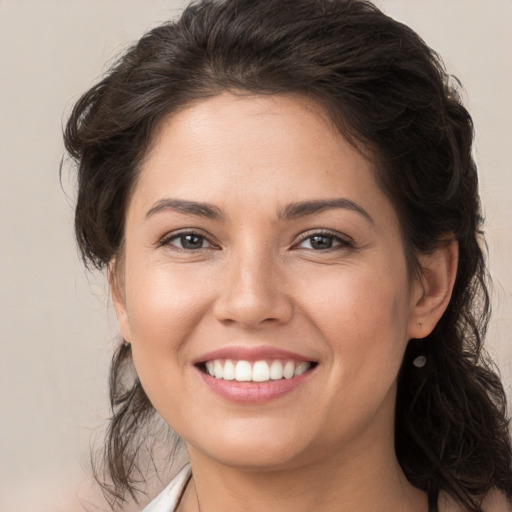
[(270, 451)]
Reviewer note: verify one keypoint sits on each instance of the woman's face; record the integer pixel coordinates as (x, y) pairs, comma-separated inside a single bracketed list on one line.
[(258, 244)]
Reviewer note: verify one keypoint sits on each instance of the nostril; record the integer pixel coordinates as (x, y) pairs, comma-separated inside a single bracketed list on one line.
[(253, 313)]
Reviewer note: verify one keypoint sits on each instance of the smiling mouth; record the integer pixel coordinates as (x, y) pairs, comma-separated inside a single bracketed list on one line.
[(255, 371)]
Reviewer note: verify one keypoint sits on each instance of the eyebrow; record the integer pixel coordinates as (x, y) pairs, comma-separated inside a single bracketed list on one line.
[(206, 210), (289, 212), (305, 208)]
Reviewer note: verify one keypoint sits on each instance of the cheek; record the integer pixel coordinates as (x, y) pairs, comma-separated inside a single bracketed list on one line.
[(164, 307), (363, 316)]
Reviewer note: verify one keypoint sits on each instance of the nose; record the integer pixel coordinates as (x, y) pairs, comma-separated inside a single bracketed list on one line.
[(253, 292)]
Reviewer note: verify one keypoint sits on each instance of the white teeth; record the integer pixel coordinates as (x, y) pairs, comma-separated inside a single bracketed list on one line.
[(301, 368), (210, 368), (289, 370), (259, 371), (276, 370), (243, 371), (219, 370), (229, 370)]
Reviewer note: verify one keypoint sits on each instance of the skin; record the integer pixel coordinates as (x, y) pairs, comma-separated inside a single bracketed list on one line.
[(258, 280)]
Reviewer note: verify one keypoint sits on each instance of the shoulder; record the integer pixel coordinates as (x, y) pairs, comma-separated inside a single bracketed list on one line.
[(494, 501)]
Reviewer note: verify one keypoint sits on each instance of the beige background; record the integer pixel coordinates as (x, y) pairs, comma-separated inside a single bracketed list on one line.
[(56, 327)]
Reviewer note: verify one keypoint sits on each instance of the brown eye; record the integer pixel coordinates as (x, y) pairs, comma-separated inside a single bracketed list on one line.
[(192, 241), (188, 241), (323, 242)]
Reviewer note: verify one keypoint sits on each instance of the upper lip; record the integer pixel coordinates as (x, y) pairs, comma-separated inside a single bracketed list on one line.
[(256, 353)]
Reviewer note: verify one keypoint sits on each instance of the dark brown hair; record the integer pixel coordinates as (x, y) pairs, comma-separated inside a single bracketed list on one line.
[(386, 91)]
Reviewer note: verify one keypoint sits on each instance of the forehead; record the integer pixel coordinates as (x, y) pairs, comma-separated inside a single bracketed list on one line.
[(255, 149)]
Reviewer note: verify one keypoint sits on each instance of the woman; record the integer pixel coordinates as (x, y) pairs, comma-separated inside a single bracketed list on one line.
[(284, 196)]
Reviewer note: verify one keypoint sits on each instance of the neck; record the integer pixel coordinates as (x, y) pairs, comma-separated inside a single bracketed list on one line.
[(366, 477)]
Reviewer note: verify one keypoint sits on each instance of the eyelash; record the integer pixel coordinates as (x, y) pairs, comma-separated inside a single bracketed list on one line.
[(166, 241), (341, 242)]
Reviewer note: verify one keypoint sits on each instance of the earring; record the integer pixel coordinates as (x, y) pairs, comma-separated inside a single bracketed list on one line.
[(420, 361)]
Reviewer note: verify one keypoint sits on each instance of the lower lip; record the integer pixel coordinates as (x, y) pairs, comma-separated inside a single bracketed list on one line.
[(253, 392)]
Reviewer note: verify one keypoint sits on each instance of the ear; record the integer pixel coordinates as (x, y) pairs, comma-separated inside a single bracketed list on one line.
[(117, 292), (432, 291)]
